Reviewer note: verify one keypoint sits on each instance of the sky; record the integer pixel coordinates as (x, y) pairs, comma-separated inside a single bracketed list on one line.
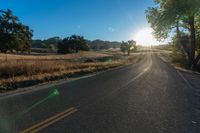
[(113, 20)]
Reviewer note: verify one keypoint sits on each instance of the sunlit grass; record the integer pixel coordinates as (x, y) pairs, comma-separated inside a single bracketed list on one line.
[(17, 69)]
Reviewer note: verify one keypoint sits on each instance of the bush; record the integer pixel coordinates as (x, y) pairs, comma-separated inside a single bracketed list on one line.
[(180, 60)]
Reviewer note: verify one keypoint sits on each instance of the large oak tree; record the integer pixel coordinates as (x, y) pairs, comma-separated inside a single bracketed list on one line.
[(13, 34), (177, 14)]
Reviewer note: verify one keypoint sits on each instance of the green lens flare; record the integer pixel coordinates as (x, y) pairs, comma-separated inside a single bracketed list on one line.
[(7, 122), (56, 92)]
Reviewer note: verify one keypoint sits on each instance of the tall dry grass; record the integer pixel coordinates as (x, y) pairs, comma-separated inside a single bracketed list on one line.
[(17, 69), (30, 68), (20, 71), (79, 55)]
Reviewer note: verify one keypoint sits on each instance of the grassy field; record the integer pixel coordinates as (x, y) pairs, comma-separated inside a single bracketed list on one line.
[(26, 70)]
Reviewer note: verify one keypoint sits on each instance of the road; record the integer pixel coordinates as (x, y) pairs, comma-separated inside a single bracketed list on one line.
[(147, 97)]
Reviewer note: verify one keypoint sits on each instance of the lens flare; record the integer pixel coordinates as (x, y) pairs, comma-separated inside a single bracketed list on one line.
[(7, 123)]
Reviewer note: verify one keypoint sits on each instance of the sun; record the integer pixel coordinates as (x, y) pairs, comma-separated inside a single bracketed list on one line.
[(145, 37)]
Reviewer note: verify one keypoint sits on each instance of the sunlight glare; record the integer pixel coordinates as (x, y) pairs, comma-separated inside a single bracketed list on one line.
[(145, 37)]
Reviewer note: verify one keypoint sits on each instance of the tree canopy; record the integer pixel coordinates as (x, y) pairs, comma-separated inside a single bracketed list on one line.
[(14, 36), (73, 44), (128, 47), (179, 16)]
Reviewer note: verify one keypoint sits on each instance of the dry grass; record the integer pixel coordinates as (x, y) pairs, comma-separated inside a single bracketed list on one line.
[(79, 55), (16, 72), (20, 71), (30, 68), (176, 60)]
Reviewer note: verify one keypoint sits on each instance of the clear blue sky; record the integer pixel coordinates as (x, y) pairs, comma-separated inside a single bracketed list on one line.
[(94, 19)]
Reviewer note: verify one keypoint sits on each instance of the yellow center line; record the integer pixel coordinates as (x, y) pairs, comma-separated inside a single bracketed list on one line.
[(49, 121)]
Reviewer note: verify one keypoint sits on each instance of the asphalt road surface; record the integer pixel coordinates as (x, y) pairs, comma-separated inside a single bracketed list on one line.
[(147, 97)]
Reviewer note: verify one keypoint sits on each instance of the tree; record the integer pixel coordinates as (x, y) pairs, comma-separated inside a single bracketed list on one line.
[(13, 34), (129, 46), (123, 47), (78, 43), (176, 14), (73, 44)]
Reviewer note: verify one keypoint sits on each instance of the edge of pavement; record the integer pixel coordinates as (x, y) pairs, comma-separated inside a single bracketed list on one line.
[(179, 70)]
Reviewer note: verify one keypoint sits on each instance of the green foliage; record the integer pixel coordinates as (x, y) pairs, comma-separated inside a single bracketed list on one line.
[(180, 61), (50, 43), (174, 51), (73, 44), (129, 46), (198, 32), (173, 15), (14, 36)]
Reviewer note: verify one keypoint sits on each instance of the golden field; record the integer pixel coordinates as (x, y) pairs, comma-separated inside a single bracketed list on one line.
[(26, 70)]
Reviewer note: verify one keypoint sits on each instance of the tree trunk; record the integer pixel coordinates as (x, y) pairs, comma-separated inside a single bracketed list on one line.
[(193, 42), (196, 61), (178, 33), (184, 41), (181, 41)]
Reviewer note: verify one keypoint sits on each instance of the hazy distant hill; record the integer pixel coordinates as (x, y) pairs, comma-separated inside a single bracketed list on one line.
[(100, 44), (50, 43)]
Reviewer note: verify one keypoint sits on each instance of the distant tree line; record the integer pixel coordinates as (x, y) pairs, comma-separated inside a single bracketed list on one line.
[(181, 17), (128, 47), (52, 44), (14, 36)]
